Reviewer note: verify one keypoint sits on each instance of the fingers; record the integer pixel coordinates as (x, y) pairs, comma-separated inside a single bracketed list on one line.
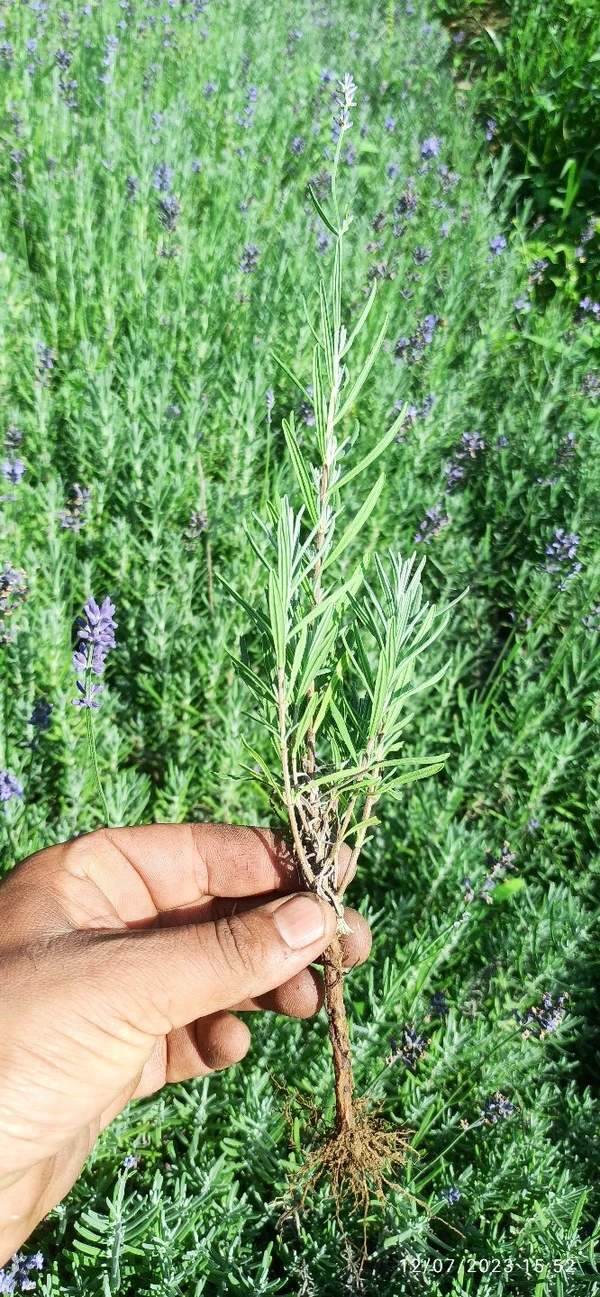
[(161, 978), (303, 995), (134, 876)]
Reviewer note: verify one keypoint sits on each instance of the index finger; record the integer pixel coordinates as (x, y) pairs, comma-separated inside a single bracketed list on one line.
[(180, 864)]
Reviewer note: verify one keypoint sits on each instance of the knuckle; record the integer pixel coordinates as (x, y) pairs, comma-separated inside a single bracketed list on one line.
[(239, 947)]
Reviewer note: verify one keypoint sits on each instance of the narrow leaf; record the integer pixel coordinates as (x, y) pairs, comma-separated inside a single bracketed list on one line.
[(359, 382), (358, 521), (290, 374), (321, 212), (375, 452)]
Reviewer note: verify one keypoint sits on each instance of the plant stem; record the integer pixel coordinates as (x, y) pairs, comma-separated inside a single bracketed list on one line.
[(333, 970), (91, 737)]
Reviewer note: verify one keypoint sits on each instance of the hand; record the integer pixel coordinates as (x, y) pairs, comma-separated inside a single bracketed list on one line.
[(120, 954)]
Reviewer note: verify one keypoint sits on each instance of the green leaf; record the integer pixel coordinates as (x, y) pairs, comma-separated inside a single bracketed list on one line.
[(278, 619), (256, 757), (336, 597), (258, 617), (358, 521), (323, 638), (321, 212), (359, 382), (301, 727), (374, 453), (343, 729), (290, 374), (307, 489), (362, 319), (410, 777)]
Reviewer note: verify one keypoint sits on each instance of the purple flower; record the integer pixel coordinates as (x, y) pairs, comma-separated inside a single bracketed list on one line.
[(444, 229), (496, 1107), (421, 256), (40, 716), (46, 356), (431, 525), (76, 515), (561, 551), (249, 259), (390, 124), (12, 470), (13, 590), (410, 1049), (537, 270), (453, 1195), (96, 634), (522, 303), (431, 147), (491, 128), (9, 787), (169, 211), (163, 177), (298, 145), (13, 438), (210, 89), (497, 244), (326, 76), (438, 1004), (196, 165), (63, 59), (130, 1162)]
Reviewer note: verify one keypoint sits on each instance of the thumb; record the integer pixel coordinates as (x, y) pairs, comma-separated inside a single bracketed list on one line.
[(179, 974)]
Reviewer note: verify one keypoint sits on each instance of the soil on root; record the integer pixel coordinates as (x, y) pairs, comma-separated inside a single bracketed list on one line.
[(357, 1163)]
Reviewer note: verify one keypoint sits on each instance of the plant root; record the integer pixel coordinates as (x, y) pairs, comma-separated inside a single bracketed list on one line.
[(357, 1163)]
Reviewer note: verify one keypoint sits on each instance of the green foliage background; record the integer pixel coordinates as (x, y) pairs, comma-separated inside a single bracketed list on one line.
[(135, 333)]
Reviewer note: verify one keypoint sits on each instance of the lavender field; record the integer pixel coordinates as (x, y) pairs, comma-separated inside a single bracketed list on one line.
[(158, 248)]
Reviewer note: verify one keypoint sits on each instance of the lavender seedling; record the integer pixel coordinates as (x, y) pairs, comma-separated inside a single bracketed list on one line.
[(331, 671)]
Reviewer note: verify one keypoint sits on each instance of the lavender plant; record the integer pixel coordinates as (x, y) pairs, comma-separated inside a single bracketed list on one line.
[(333, 667)]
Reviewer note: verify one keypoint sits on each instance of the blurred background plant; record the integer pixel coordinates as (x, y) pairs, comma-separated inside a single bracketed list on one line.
[(142, 421)]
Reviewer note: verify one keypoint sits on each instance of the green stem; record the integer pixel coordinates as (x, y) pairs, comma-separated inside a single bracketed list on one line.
[(91, 738)]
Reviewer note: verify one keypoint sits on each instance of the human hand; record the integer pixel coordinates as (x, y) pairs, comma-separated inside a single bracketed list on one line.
[(121, 953)]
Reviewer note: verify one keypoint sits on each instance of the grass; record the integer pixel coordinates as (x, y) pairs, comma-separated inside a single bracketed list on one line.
[(156, 399)]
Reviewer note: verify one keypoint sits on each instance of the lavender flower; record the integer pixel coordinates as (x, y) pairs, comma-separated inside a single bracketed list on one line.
[(491, 128), (542, 1018), (12, 470), (497, 1107), (410, 1049), (406, 205), (169, 211), (431, 525), (46, 357), (13, 438), (497, 245), (96, 634), (269, 399), (16, 1275), (130, 1162), (522, 303), (390, 124), (298, 145), (13, 590), (588, 307), (41, 714), (249, 259), (438, 1004), (563, 550), (9, 788), (590, 384), (132, 185), (210, 88), (453, 1195), (63, 59), (537, 270), (163, 177), (421, 256), (196, 165), (430, 147), (197, 524), (77, 514)]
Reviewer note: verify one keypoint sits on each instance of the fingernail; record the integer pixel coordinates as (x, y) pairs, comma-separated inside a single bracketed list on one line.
[(300, 921)]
